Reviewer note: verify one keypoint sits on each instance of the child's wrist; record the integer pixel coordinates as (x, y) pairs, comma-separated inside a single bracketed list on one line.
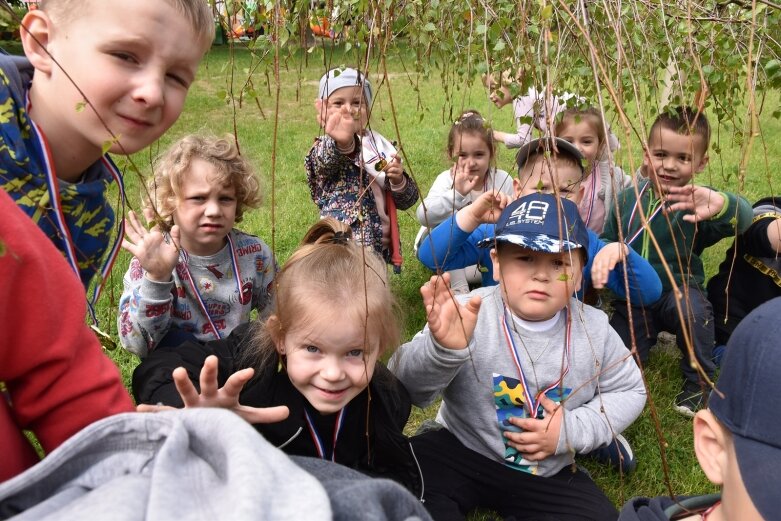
[(724, 207)]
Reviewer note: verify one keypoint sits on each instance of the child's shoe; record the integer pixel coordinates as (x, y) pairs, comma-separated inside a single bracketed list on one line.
[(617, 453), (690, 400)]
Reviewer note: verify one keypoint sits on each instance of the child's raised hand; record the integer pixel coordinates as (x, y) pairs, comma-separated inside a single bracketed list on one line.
[(451, 323), (340, 125), (485, 209), (700, 202), (539, 438), (157, 251), (394, 171), (226, 397), (605, 261), (463, 180)]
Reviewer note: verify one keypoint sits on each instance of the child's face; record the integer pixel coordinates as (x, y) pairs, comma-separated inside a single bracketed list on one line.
[(205, 211), (538, 178), (583, 135), (350, 98), (674, 158), (328, 360), (536, 285), (472, 154), (134, 60), (498, 94)]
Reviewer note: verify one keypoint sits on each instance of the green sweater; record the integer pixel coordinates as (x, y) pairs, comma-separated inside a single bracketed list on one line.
[(677, 239)]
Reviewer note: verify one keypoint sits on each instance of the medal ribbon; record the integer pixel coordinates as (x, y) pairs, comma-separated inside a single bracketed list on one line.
[(194, 287), (634, 211), (533, 402), (316, 437), (593, 196), (53, 187)]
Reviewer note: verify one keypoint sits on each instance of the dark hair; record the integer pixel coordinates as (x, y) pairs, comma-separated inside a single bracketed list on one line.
[(470, 122), (685, 121)]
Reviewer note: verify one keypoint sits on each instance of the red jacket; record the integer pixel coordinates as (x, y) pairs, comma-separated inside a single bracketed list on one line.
[(57, 378)]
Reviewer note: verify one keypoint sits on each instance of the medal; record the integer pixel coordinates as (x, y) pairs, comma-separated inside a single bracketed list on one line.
[(380, 165)]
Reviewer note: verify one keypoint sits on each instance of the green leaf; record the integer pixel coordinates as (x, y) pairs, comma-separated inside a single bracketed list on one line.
[(547, 12), (108, 144), (80, 106), (563, 277), (430, 27)]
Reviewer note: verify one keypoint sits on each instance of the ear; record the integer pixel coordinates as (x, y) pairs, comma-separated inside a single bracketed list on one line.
[(497, 266), (320, 112), (274, 329), (703, 163), (36, 33), (516, 188), (710, 446)]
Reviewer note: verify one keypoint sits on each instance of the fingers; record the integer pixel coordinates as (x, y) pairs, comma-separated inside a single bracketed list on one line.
[(185, 387), (208, 378), (236, 381), (263, 414)]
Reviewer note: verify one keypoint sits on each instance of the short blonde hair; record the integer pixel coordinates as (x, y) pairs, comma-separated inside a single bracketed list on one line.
[(172, 166), (197, 12)]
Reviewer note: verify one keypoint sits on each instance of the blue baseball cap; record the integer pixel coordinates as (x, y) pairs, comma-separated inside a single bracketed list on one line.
[(742, 400), (541, 222), (339, 78)]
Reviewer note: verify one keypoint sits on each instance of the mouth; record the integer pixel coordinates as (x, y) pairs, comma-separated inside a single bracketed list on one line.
[(211, 227), (135, 122), (331, 394), (537, 295)]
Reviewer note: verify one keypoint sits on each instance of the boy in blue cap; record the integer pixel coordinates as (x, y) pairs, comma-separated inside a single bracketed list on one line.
[(528, 375), (737, 439)]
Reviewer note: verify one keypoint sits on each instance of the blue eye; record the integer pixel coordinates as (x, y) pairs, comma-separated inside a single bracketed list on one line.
[(312, 349), (355, 352)]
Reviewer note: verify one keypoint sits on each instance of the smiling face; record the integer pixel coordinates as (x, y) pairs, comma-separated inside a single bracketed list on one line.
[(584, 136), (498, 94), (328, 359), (350, 97), (544, 176), (134, 60), (673, 158), (536, 285), (205, 210)]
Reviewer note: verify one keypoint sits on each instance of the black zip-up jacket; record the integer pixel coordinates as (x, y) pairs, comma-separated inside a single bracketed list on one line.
[(377, 447)]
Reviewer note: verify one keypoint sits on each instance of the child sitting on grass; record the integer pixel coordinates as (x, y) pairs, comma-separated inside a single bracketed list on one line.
[(472, 150), (100, 75), (528, 376), (316, 360), (355, 174), (737, 439), (204, 277), (454, 243), (585, 128), (684, 219)]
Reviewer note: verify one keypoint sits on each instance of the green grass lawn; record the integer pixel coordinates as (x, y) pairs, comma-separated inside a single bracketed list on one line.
[(423, 116)]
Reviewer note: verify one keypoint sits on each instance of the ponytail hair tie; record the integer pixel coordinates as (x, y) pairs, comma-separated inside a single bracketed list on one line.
[(339, 238)]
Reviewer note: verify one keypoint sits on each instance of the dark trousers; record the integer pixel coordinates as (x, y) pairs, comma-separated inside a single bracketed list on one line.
[(458, 480), (648, 321)]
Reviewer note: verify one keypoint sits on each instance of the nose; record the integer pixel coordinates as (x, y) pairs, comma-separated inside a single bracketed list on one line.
[(213, 208), (331, 370), (668, 163), (150, 89), (541, 271)]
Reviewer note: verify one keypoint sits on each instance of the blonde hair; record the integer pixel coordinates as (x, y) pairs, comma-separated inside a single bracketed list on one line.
[(172, 166), (329, 268), (590, 115), (197, 12)]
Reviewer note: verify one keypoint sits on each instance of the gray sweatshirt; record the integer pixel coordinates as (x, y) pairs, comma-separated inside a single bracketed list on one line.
[(602, 391)]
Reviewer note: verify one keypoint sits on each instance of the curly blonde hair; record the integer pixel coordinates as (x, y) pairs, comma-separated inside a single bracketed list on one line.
[(171, 168)]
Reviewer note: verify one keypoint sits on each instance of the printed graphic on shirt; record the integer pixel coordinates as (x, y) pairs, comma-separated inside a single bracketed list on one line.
[(510, 402)]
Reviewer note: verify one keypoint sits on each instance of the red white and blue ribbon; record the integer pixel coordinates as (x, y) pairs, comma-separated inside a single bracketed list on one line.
[(319, 446), (194, 286), (634, 211), (52, 186), (532, 401)]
